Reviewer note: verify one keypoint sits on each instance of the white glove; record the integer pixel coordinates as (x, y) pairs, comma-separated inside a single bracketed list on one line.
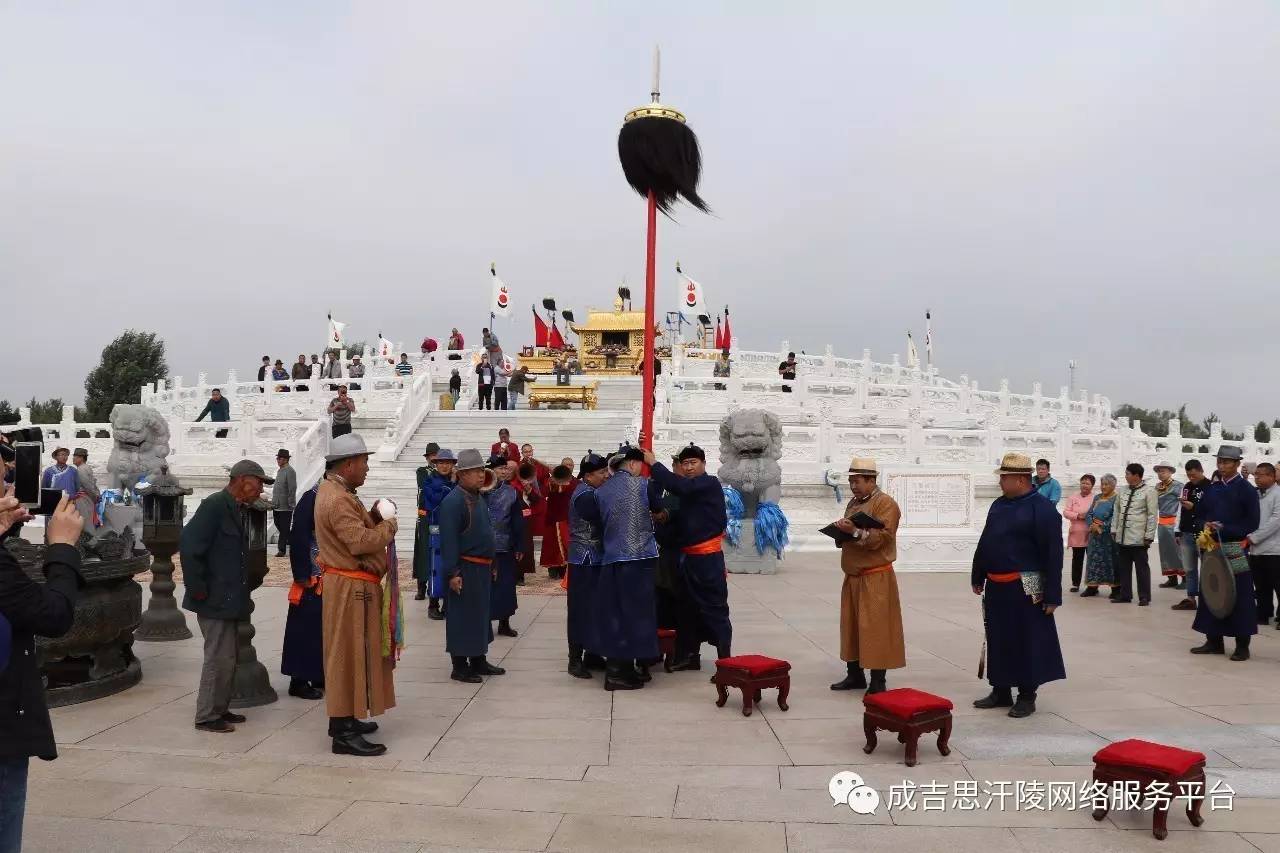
[(385, 507)]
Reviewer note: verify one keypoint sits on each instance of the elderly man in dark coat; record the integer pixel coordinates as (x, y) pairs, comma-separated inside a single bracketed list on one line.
[(1018, 564), (303, 656), (467, 549)]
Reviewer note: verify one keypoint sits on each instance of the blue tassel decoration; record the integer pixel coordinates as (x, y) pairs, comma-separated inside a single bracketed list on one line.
[(735, 510), (771, 528)]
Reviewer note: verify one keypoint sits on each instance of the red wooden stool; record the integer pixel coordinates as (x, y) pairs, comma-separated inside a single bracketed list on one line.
[(751, 674), (910, 713), (1179, 771), (667, 647)]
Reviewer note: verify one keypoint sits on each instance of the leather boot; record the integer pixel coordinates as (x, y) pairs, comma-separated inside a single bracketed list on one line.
[(349, 741), (422, 591), (1000, 697), (339, 725), (1212, 646), (591, 660), (304, 690), (854, 678), (877, 682), (462, 671), (576, 667), (615, 676), (1170, 582), (434, 611), (1026, 704), (505, 629), (641, 672), (688, 663), (480, 666), (1242, 649)]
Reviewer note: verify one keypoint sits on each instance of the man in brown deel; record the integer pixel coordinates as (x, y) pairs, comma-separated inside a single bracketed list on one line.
[(870, 612), (352, 545)]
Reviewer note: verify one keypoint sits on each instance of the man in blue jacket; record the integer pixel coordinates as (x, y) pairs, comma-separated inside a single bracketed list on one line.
[(214, 548), (1045, 484), (218, 409)]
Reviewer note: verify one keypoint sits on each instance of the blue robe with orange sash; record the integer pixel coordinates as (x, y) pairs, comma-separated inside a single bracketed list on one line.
[(1021, 550), (625, 616), (303, 654), (700, 525)]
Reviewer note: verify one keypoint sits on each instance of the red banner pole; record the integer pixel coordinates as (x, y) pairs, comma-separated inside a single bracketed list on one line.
[(650, 274)]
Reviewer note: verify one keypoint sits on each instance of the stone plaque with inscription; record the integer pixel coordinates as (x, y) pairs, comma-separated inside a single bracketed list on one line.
[(933, 499)]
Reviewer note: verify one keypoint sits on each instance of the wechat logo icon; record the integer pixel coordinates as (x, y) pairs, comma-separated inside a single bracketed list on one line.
[(847, 789)]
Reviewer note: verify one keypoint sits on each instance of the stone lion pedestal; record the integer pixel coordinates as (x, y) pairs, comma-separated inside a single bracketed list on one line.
[(750, 447), (743, 559)]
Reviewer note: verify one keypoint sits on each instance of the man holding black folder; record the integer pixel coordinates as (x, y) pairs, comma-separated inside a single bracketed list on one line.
[(870, 611)]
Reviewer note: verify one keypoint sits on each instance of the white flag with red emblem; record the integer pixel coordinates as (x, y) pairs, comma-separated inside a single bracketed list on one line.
[(500, 303), (691, 301), (335, 333)]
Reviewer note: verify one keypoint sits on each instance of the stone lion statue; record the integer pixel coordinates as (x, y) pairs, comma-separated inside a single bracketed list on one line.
[(750, 447), (140, 438)]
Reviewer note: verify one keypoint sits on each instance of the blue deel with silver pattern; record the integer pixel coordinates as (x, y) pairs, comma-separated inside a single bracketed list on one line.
[(586, 539), (628, 527)]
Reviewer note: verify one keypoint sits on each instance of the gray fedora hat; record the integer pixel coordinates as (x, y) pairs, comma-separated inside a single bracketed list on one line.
[(249, 468), (446, 455), (346, 446), (469, 459), (1230, 451)]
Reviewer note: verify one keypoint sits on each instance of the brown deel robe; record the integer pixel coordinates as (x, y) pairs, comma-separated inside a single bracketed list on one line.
[(870, 612), (357, 679)]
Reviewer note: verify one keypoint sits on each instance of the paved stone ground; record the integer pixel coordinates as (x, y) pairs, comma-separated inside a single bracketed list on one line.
[(536, 760)]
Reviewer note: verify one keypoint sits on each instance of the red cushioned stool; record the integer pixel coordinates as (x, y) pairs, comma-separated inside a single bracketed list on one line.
[(1179, 771), (667, 647), (910, 713), (751, 674)]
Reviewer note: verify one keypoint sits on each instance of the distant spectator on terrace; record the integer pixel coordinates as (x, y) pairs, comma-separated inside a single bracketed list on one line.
[(517, 385), (787, 370), (562, 370), (493, 350), (720, 369), (403, 367), (316, 368), (301, 371), (265, 368), (332, 368), (484, 384), (218, 409), (505, 447), (279, 374), (455, 385), (355, 370), (455, 343), (502, 378), (341, 408)]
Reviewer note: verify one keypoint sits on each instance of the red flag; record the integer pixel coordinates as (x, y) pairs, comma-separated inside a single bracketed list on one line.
[(539, 330), (554, 340), (719, 335), (728, 335)]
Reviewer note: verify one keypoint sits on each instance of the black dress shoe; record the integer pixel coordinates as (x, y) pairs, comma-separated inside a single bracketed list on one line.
[(353, 743), (303, 690), (1089, 592), (642, 674), (422, 596), (1075, 589), (995, 699), (1142, 602), (614, 683), (434, 612), (481, 666), (1122, 601), (577, 670), (852, 681), (1210, 647), (216, 726), (465, 675), (233, 718), (1022, 708), (689, 663), (1241, 653)]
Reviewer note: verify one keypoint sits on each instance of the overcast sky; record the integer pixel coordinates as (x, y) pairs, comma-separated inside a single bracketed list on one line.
[(1098, 182)]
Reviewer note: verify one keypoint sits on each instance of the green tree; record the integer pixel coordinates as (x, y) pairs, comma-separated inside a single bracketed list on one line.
[(1262, 432), (130, 361), (45, 412), (8, 414)]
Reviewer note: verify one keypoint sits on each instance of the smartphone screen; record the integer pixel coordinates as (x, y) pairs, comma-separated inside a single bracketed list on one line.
[(26, 480)]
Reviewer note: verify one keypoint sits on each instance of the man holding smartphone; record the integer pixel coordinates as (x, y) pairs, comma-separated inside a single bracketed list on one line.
[(27, 610)]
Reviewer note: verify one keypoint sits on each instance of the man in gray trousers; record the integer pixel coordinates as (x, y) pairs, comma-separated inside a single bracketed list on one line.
[(214, 550)]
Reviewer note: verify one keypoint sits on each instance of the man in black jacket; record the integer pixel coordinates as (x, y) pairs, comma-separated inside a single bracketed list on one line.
[(28, 609), (214, 550)]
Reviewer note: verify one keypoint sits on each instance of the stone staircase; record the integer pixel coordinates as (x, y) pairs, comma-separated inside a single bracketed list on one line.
[(553, 434)]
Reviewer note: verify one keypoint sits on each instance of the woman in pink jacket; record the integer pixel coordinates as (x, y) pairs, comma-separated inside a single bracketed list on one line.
[(1078, 536)]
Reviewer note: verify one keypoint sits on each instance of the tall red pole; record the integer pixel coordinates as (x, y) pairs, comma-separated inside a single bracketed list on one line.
[(650, 359)]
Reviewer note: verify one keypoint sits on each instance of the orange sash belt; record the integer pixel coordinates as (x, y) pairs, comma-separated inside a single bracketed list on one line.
[(1167, 520), (875, 570), (354, 574), (479, 561), (422, 513), (296, 589), (1004, 577), (711, 546)]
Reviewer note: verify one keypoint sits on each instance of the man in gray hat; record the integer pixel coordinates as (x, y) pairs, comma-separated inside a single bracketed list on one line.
[(214, 551), (283, 499), (467, 548)]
